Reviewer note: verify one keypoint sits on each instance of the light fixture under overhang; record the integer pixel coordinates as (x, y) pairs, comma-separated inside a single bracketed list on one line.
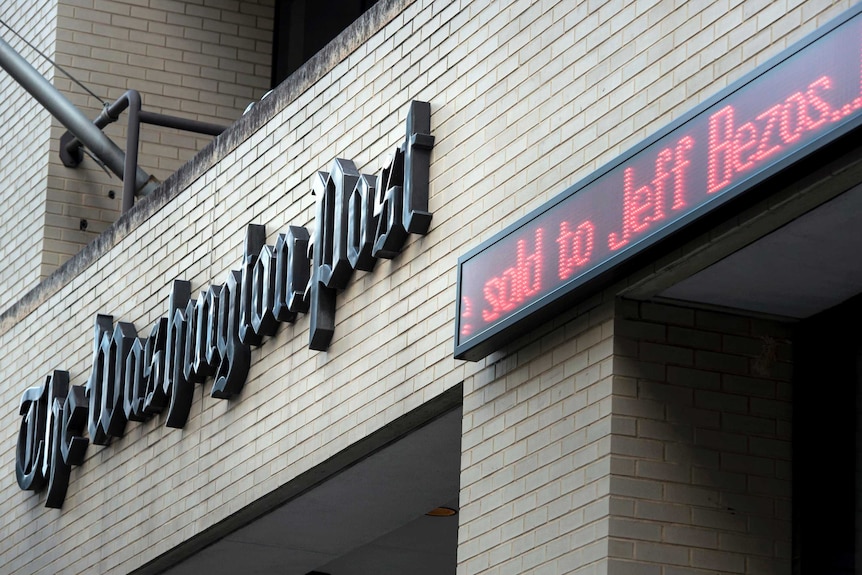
[(442, 512)]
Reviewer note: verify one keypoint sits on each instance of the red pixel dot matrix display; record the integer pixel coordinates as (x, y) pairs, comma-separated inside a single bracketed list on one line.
[(716, 152)]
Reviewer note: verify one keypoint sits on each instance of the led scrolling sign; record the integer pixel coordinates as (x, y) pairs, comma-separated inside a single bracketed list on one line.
[(787, 109)]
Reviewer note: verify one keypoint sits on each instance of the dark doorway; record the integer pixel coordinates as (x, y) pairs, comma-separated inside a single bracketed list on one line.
[(826, 442)]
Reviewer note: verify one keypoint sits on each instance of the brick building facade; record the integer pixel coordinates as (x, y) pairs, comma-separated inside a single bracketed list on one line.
[(652, 426)]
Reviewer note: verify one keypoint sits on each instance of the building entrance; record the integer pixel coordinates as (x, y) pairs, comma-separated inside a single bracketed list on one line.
[(827, 460), (372, 516)]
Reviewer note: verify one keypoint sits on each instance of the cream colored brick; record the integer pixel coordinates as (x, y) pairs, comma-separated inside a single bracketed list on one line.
[(538, 454)]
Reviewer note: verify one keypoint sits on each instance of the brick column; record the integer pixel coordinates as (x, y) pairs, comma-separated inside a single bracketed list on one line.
[(641, 439), (701, 449), (536, 458)]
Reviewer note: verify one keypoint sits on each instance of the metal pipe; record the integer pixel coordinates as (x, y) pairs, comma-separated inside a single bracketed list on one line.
[(132, 99), (70, 144), (181, 123), (74, 120)]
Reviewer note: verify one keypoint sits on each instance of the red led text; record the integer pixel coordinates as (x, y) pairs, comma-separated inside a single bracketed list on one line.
[(736, 149), (524, 280), (647, 204), (576, 247)]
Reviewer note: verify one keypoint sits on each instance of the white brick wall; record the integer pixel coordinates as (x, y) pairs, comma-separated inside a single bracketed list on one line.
[(702, 456), (636, 438), (203, 60), (536, 462), (25, 135), (527, 98)]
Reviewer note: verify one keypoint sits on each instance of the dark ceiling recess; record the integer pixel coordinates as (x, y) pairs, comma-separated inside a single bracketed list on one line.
[(303, 27)]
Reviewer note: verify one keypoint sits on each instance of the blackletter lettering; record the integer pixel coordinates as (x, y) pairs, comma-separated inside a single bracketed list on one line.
[(359, 218), (417, 218), (40, 457), (334, 269), (263, 293), (154, 367), (207, 356), (182, 390), (112, 418), (176, 387), (191, 339), (134, 388), (53, 467), (361, 224), (73, 444), (255, 238), (321, 296), (31, 438), (389, 209), (101, 342), (292, 272), (235, 356)]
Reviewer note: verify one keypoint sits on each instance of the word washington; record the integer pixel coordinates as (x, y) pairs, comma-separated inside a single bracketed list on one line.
[(359, 219)]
